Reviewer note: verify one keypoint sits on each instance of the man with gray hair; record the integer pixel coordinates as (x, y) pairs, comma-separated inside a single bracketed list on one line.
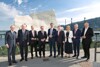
[(87, 34), (76, 40), (10, 40), (60, 41), (23, 41)]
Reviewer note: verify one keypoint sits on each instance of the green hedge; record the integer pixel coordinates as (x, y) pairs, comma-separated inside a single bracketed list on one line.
[(3, 49)]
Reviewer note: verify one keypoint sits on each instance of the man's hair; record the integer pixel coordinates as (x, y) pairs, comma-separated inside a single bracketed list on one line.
[(51, 23)]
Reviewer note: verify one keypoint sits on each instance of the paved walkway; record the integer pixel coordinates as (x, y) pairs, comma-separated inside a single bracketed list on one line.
[(53, 62)]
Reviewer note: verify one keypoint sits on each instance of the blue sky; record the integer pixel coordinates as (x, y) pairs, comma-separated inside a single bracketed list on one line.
[(64, 9)]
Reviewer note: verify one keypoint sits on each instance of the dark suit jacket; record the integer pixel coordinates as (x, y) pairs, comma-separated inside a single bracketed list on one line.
[(22, 37), (61, 37), (41, 36), (89, 35), (31, 36), (10, 38), (77, 35), (54, 34)]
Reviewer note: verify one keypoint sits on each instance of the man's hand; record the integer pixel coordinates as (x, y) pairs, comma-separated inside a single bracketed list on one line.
[(42, 40), (50, 36), (17, 43), (33, 38), (7, 45), (27, 43), (63, 41), (74, 37), (83, 37)]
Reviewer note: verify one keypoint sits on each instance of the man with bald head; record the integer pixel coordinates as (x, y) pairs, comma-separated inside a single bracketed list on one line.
[(42, 36), (87, 34), (60, 41), (10, 40), (76, 40), (33, 41), (23, 41)]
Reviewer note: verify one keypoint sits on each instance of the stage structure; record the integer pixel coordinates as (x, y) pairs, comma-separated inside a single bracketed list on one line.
[(37, 19)]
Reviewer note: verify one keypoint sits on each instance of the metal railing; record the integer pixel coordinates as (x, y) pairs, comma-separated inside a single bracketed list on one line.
[(97, 43), (96, 52)]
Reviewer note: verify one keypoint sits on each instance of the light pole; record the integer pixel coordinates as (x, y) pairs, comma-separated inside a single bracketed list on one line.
[(84, 19), (71, 22), (65, 24)]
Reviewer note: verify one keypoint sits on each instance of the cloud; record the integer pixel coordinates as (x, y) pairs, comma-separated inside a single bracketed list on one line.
[(78, 14), (21, 1), (7, 14), (36, 8), (8, 11)]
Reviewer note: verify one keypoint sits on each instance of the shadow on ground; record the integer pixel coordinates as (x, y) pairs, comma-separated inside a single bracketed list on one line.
[(52, 62)]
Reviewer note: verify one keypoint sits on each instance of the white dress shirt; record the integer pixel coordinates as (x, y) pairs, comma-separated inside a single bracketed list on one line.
[(85, 31)]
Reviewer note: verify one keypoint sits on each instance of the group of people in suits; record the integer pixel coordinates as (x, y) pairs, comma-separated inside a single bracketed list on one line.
[(67, 41)]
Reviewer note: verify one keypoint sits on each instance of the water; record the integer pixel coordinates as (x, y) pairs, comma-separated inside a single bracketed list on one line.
[(2, 41), (2, 38)]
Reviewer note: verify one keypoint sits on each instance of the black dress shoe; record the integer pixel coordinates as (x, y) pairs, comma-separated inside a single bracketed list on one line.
[(26, 60), (68, 56), (87, 59), (36, 56), (54, 56), (83, 57), (50, 55), (58, 55), (77, 57), (21, 59), (31, 57), (10, 64), (74, 56), (61, 56), (43, 56), (14, 61)]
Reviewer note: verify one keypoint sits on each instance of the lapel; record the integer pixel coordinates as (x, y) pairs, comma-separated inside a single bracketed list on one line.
[(24, 32), (52, 31), (42, 33), (75, 32), (31, 33), (10, 33), (83, 30), (87, 31), (13, 35), (59, 33)]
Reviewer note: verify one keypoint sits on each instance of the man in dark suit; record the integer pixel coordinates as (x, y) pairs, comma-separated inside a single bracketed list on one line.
[(42, 36), (87, 34), (33, 41), (10, 40), (23, 41), (76, 40), (52, 34), (60, 40)]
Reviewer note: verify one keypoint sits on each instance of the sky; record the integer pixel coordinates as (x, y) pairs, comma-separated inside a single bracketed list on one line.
[(64, 9)]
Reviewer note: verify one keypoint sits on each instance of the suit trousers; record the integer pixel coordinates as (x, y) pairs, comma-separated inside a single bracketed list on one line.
[(76, 46), (23, 49), (42, 48), (86, 48), (33, 45), (11, 52), (52, 45), (60, 48)]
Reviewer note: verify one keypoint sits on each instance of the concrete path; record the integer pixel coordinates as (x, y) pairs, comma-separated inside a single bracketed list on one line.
[(53, 62)]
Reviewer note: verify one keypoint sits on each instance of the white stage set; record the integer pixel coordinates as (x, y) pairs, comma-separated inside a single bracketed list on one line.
[(37, 19)]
